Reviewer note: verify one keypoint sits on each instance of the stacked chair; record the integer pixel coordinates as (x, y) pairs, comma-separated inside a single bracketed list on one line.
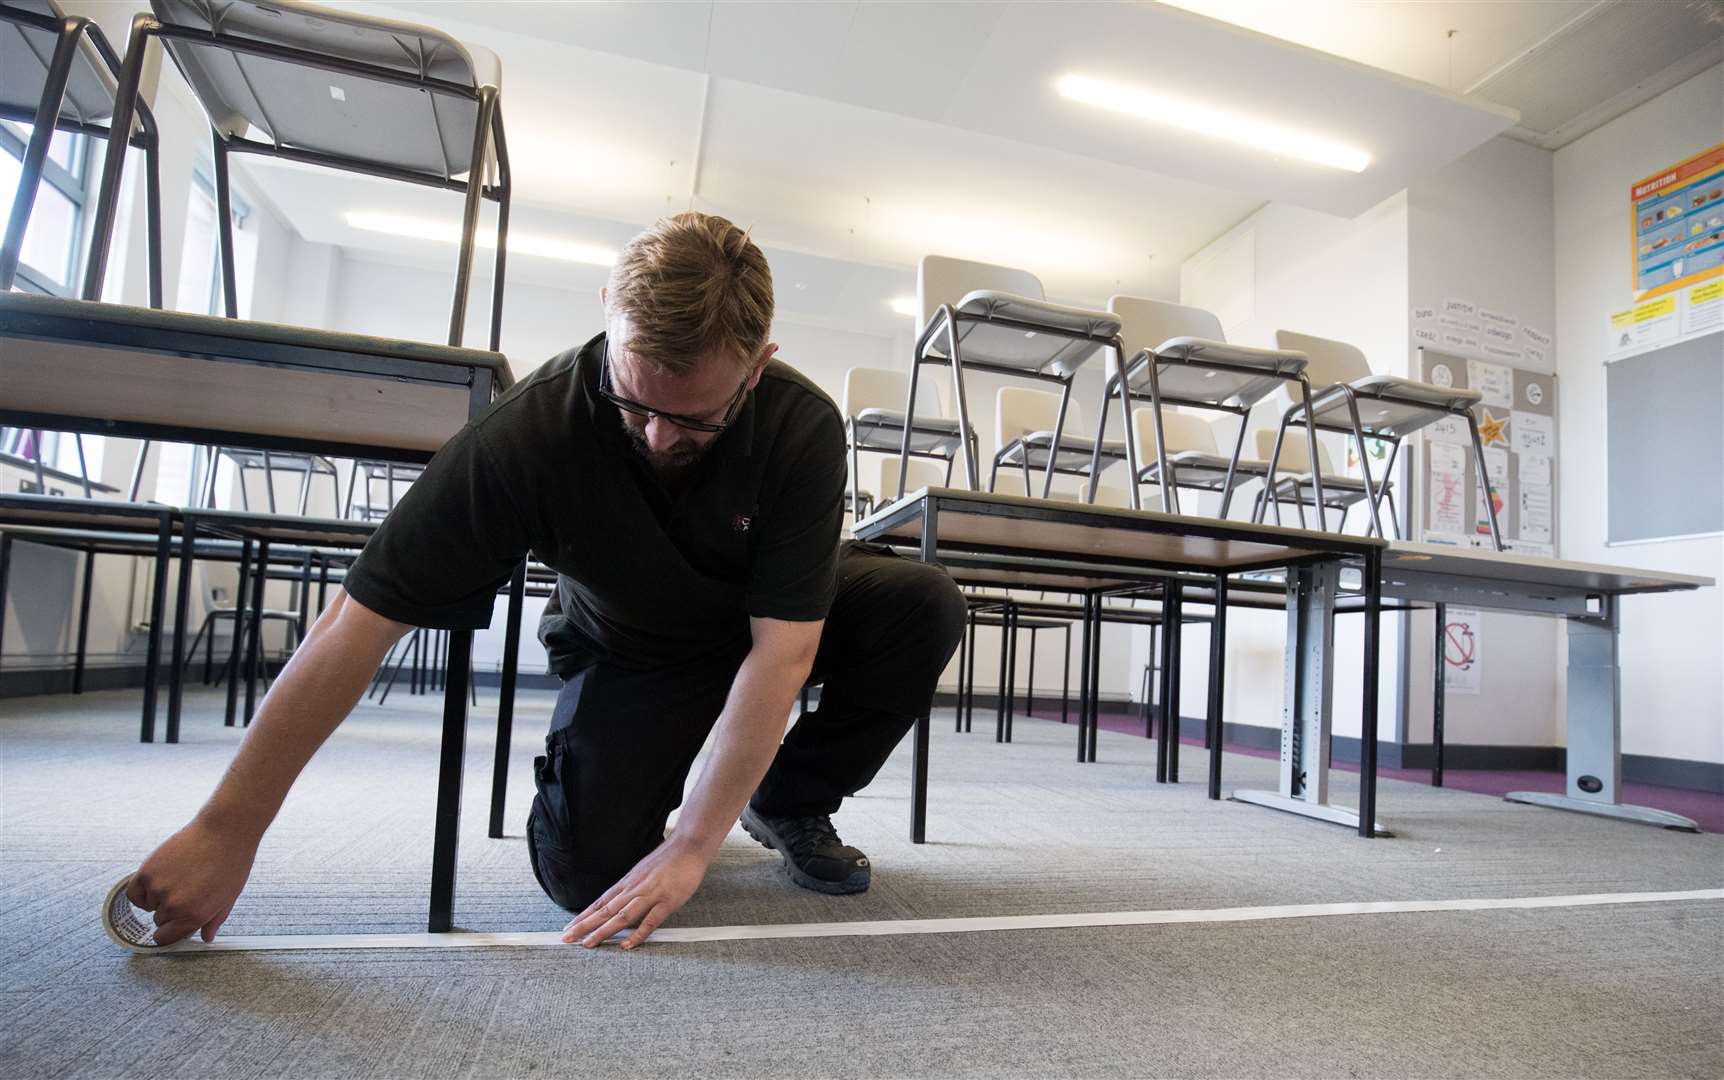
[(1024, 423), (875, 423), (980, 317), (1192, 460), (1298, 484), (1387, 408), (1178, 356)]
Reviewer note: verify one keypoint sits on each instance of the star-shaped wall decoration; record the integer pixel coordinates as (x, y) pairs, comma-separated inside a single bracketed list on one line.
[(1493, 430)]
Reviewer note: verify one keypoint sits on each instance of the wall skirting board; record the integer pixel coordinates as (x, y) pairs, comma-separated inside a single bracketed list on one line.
[(1705, 776)]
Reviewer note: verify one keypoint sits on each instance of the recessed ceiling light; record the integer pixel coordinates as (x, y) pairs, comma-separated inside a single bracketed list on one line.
[(905, 305), (1218, 123), (549, 247)]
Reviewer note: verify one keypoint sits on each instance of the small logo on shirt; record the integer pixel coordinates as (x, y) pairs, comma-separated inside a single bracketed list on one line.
[(740, 522)]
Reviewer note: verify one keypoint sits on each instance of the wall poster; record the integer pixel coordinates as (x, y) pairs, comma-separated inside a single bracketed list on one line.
[(1677, 225), (1519, 437)]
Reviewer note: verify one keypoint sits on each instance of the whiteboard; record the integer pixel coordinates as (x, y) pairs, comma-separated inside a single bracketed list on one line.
[(1664, 440)]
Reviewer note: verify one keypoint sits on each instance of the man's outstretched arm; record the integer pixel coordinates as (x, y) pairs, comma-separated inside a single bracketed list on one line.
[(192, 880)]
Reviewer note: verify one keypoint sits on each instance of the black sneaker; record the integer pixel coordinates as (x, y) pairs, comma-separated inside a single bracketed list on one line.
[(814, 857)]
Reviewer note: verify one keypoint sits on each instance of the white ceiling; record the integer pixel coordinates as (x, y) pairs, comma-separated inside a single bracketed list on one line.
[(855, 137)]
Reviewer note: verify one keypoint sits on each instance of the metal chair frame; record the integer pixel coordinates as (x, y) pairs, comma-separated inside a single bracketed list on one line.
[(1373, 494), (1120, 383), (945, 321)]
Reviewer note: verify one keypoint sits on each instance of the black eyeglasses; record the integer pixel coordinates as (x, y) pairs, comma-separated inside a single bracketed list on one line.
[(637, 409)]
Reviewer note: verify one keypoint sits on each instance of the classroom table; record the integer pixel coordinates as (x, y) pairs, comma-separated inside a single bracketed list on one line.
[(31, 516), (1587, 597), (1101, 549), (106, 369)]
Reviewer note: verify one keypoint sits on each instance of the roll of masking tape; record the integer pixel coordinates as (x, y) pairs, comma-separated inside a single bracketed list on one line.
[(125, 923)]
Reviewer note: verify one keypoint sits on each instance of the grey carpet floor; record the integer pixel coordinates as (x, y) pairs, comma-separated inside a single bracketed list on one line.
[(1019, 829)]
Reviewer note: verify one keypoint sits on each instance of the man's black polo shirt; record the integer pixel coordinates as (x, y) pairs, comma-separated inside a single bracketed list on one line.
[(645, 579)]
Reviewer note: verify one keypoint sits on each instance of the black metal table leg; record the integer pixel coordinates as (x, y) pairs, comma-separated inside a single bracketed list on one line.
[(506, 700), (84, 622), (1439, 692), (254, 638), (1030, 676), (1084, 675), (158, 601), (1217, 683), (1066, 676), (235, 649), (970, 682), (182, 609), (1368, 728), (447, 829), (1000, 692), (1094, 676), (1176, 634), (963, 645), (1169, 631), (1011, 686)]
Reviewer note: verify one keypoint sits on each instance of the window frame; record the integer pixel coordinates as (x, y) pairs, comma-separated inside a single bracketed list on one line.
[(74, 186)]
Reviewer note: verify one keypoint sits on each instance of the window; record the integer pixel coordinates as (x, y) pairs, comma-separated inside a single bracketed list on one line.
[(199, 292), (49, 262)]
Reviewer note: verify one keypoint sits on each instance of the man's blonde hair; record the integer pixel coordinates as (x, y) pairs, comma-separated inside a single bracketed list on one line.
[(691, 285)]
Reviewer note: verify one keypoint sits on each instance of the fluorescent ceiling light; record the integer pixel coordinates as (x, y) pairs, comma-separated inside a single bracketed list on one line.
[(905, 305), (1218, 123), (447, 232)]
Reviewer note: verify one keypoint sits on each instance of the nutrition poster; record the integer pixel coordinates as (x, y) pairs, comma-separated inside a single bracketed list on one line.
[(1678, 225)]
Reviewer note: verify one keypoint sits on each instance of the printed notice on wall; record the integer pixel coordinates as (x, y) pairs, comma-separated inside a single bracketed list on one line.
[(1494, 381), (1534, 434), (1497, 468), (1461, 669), (1448, 489), (1534, 470), (1704, 310), (1535, 513)]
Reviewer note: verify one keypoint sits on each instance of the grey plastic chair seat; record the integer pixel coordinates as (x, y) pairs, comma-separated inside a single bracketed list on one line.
[(1075, 452), (1027, 350), (1390, 406), (1180, 375), (25, 53), (329, 112), (883, 429), (1196, 469)]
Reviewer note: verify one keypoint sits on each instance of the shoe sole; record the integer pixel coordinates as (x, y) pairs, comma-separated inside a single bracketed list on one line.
[(855, 883)]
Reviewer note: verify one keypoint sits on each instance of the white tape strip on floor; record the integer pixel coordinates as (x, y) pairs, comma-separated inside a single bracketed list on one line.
[(891, 927)]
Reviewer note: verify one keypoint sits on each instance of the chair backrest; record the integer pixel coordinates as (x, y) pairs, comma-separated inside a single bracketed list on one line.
[(1332, 362), (922, 473), (1019, 410), (1146, 323), (1294, 457), (941, 279), (883, 388), (1181, 431)]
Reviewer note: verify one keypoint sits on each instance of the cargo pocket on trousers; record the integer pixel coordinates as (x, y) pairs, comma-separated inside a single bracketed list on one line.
[(550, 838)]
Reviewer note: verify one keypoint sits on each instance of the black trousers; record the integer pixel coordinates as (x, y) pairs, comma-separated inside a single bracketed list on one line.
[(622, 740)]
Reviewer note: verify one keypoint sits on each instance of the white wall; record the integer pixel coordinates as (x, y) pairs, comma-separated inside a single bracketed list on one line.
[(1672, 679), (1337, 278), (1481, 229)]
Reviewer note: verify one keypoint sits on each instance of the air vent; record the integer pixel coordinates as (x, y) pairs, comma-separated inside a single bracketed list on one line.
[(1615, 56)]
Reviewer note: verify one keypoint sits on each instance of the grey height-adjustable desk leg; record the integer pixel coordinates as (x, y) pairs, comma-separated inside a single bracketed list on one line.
[(1595, 729), (1306, 718)]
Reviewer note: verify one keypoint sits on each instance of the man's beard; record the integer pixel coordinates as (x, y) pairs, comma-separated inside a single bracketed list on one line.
[(676, 459)]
